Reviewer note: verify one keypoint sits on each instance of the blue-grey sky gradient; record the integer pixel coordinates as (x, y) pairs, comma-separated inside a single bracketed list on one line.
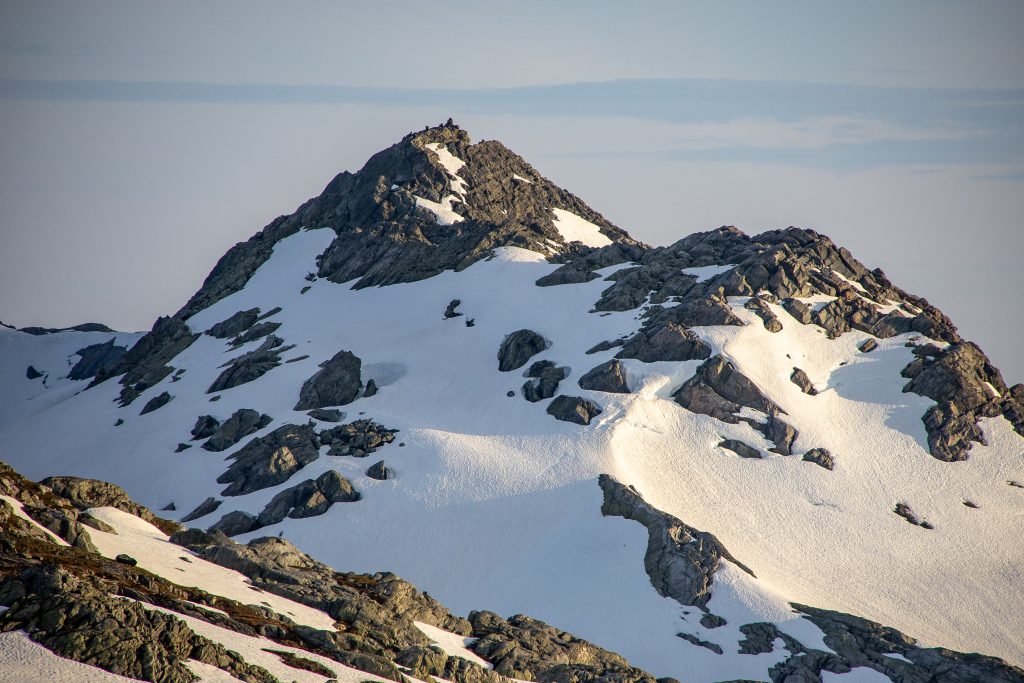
[(141, 139)]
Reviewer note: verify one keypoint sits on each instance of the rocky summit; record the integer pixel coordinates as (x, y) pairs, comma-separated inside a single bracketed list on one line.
[(737, 457)]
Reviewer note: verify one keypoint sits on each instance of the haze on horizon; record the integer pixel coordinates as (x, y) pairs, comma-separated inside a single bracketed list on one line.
[(143, 139)]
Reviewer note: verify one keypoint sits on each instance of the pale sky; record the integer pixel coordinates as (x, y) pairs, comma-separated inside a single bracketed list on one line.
[(141, 139)]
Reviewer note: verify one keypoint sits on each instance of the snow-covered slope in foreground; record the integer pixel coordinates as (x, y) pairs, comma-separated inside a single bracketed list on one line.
[(492, 503)]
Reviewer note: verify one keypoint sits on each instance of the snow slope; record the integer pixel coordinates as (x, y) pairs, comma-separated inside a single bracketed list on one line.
[(495, 505)]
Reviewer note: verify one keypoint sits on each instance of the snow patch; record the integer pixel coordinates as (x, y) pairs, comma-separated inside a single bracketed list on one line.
[(573, 228), (703, 273), (453, 644)]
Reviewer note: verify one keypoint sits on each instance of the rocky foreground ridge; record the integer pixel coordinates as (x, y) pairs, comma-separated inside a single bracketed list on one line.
[(112, 614)]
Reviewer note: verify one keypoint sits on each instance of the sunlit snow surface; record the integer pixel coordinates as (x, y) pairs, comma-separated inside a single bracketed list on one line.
[(574, 228), (495, 505)]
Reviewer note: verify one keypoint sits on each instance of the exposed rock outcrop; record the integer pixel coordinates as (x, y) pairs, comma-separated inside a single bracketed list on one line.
[(609, 376), (337, 383), (680, 560), (821, 457), (241, 424), (359, 438), (93, 493), (665, 342), (517, 348), (546, 377), (250, 366), (573, 409), (155, 403), (270, 460), (147, 362), (96, 359), (235, 324)]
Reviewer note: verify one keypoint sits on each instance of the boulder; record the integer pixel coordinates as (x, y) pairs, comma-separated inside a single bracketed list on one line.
[(904, 511), (336, 384), (358, 438), (205, 426), (517, 348), (326, 414), (270, 460), (307, 499), (800, 378), (450, 311), (868, 345), (32, 373), (609, 376), (821, 457), (573, 409), (379, 471), (234, 523), (739, 448)]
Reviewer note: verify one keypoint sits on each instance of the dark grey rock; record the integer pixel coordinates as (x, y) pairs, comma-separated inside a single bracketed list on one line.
[(371, 389), (546, 377), (359, 438), (336, 384), (712, 621), (573, 409), (680, 560), (182, 447), (257, 331), (250, 366), (126, 559), (605, 346), (904, 511), (779, 431), (517, 348), (799, 310), (235, 523), (868, 345), (270, 460), (821, 457), (235, 324), (205, 426), (96, 359), (379, 471), (32, 373), (450, 311), (306, 499), (158, 401), (609, 376), (203, 509), (800, 378), (739, 448), (146, 363), (707, 644), (241, 424), (326, 414), (665, 342), (719, 390)]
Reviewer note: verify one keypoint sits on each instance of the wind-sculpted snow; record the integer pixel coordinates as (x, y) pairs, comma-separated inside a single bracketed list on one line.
[(490, 502)]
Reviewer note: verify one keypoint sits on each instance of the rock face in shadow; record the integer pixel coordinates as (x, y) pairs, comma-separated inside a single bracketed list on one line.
[(235, 324), (147, 362), (336, 384), (546, 377), (270, 460), (573, 409), (359, 438), (96, 359), (250, 366), (680, 560), (517, 348), (609, 376), (664, 342), (241, 424), (155, 403)]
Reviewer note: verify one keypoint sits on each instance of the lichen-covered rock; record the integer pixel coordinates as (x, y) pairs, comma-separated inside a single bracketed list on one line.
[(573, 409), (337, 383), (93, 493), (609, 376), (517, 348)]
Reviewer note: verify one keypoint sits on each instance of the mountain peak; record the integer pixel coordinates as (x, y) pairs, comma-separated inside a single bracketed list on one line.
[(431, 202)]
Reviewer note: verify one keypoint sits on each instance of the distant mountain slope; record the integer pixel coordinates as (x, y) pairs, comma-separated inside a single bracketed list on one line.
[(446, 367)]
